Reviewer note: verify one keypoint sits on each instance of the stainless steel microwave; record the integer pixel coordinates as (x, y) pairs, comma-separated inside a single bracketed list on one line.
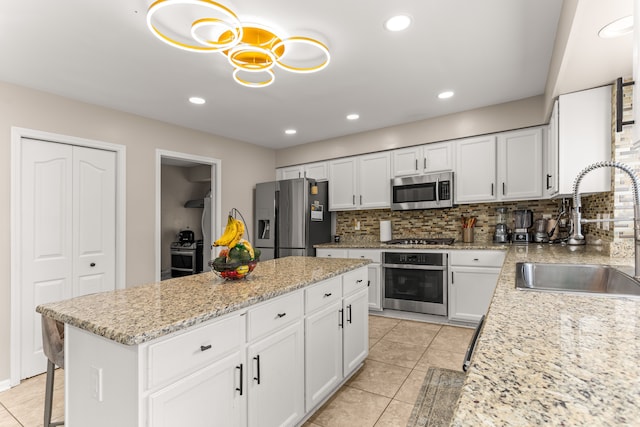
[(422, 191)]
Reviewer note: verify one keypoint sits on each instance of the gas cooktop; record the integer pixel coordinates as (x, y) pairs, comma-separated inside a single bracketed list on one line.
[(422, 241)]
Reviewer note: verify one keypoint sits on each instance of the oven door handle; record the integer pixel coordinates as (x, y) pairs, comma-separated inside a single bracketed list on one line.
[(416, 267), (189, 252)]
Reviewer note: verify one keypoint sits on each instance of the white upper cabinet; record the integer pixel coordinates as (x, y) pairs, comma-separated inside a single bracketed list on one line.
[(317, 171), (584, 137), (289, 172), (360, 182), (551, 155), (475, 178), (427, 158), (520, 165)]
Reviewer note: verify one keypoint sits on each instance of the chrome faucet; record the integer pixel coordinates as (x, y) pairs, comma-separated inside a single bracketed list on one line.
[(576, 237)]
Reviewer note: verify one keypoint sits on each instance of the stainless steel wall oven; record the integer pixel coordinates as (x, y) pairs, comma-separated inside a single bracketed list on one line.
[(415, 281)]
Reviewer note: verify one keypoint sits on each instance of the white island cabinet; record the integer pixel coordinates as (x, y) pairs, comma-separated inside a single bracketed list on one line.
[(265, 342)]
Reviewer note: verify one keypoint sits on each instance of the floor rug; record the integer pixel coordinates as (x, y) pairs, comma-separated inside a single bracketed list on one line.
[(437, 398)]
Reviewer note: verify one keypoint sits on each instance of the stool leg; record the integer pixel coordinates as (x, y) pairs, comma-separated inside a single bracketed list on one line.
[(48, 395)]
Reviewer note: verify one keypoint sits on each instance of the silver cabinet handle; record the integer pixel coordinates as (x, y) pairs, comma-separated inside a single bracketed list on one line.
[(361, 199), (492, 188), (354, 199), (503, 191), (205, 347), (425, 163), (416, 164)]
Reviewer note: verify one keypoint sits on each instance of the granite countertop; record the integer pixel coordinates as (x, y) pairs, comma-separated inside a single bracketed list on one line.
[(554, 359), (136, 315), (382, 245)]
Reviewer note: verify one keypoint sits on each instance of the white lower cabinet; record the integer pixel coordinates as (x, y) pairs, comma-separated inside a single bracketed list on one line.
[(276, 378), (473, 278), (336, 334), (212, 396)]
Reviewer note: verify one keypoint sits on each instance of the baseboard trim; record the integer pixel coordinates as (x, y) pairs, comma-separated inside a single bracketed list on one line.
[(5, 385)]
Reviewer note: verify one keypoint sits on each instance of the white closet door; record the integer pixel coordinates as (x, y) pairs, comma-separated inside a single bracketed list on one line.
[(94, 209), (67, 223)]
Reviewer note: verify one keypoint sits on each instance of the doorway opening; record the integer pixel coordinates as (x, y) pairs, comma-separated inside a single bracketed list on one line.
[(188, 210)]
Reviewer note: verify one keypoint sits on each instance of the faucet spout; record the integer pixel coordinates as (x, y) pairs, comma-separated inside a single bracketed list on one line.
[(576, 237)]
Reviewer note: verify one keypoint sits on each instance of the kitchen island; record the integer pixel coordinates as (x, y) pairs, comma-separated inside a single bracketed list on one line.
[(555, 359), (200, 351)]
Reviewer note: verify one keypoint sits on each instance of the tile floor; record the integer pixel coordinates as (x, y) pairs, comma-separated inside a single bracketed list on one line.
[(381, 394)]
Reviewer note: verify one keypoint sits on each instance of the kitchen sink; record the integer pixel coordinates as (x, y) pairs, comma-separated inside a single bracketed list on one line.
[(582, 278)]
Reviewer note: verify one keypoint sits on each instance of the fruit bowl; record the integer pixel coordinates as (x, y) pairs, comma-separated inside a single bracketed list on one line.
[(233, 270)]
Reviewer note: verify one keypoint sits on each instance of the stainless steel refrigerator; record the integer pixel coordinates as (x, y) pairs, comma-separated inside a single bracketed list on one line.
[(290, 217)]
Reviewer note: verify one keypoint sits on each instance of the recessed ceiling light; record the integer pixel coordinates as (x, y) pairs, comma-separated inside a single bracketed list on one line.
[(445, 94), (397, 23), (197, 100), (353, 116), (617, 28), (290, 131)]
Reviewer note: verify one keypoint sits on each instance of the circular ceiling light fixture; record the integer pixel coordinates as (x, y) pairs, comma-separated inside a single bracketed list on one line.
[(398, 23), (208, 26), (197, 100), (353, 116), (617, 28), (290, 131), (446, 94)]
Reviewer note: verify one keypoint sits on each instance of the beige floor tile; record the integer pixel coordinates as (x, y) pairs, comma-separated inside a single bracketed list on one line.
[(408, 393), (397, 353), (351, 407), (452, 338), (440, 359), (26, 401), (413, 332), (379, 326), (379, 378), (6, 419), (397, 414)]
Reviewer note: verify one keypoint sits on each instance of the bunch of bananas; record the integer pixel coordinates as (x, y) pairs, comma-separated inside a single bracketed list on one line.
[(233, 233)]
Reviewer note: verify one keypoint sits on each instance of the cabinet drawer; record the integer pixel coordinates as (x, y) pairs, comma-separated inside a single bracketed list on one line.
[(354, 280), (274, 314), (322, 294), (176, 357), (331, 253), (477, 258), (373, 255)]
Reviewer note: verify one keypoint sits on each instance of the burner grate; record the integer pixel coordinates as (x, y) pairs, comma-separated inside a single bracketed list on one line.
[(422, 241)]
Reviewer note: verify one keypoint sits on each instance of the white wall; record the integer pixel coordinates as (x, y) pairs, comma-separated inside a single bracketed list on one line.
[(243, 165), (511, 115)]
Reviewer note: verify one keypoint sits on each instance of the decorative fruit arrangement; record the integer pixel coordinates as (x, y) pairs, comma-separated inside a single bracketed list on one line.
[(240, 258)]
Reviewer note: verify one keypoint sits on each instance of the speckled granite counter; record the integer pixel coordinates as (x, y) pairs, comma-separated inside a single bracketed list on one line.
[(135, 315), (554, 359)]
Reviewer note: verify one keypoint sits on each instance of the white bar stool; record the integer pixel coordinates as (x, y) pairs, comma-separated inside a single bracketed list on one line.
[(53, 347)]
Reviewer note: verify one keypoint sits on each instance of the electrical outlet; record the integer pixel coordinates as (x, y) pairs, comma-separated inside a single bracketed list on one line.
[(95, 383), (605, 225), (598, 224), (357, 225)]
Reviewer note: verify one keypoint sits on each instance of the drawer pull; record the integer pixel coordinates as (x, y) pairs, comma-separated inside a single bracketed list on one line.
[(476, 259), (359, 281), (205, 347), (281, 315), (349, 313), (328, 294), (240, 388), (341, 318), (368, 283), (257, 377)]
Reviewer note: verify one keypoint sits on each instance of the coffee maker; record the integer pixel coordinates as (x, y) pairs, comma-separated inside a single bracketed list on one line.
[(501, 234), (523, 219)]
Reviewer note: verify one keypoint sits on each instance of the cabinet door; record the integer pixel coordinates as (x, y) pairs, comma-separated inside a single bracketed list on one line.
[(475, 170), (317, 171), (292, 172), (323, 353), (406, 161), (342, 184), (374, 181), (375, 292), (437, 157), (470, 292), (276, 378), (356, 330), (551, 154), (520, 165), (213, 396)]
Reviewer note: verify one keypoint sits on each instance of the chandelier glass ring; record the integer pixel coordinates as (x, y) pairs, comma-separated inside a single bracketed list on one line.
[(232, 35), (251, 58), (292, 41), (233, 24), (247, 83)]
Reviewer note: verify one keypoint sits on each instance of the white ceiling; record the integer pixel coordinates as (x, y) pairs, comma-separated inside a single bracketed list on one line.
[(101, 52)]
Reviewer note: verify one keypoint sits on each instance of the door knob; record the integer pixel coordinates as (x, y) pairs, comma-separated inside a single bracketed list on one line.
[(93, 264)]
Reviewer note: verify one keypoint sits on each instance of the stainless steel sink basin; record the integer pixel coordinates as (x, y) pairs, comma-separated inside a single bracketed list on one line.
[(584, 278)]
